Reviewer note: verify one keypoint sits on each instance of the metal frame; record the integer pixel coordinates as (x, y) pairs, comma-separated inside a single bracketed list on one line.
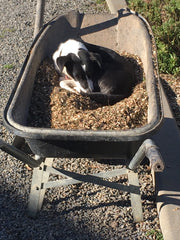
[(43, 168), (41, 174), (40, 183)]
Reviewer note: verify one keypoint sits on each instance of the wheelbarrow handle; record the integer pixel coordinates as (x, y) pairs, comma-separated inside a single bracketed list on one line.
[(15, 152), (39, 16)]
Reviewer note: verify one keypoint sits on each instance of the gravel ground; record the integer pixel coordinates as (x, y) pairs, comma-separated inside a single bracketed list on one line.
[(77, 212)]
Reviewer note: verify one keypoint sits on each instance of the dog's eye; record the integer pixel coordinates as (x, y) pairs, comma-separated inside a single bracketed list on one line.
[(89, 74), (77, 76)]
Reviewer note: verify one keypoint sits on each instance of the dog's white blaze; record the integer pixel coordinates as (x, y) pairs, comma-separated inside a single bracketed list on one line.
[(89, 81), (84, 67)]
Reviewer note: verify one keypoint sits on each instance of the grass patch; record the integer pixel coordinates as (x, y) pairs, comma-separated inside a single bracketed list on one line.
[(8, 66), (100, 1), (5, 31), (164, 18), (155, 234)]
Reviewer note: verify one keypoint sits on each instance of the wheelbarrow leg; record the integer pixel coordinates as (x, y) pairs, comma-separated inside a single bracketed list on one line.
[(40, 176), (135, 197)]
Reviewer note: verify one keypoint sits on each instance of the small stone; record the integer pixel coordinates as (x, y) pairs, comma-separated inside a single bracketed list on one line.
[(114, 224)]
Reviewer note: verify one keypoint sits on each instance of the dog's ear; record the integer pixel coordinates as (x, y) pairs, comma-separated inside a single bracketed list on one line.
[(96, 57), (61, 62)]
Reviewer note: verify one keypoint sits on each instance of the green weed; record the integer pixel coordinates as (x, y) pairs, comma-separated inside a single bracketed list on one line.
[(100, 1), (8, 66), (155, 234), (5, 31), (164, 18)]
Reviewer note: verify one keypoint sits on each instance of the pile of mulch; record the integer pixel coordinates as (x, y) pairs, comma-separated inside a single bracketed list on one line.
[(54, 107)]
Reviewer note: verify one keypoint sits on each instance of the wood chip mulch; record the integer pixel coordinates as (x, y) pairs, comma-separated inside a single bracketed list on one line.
[(53, 107)]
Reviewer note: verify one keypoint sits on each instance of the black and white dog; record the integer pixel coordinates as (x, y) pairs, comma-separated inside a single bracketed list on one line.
[(77, 66), (93, 70)]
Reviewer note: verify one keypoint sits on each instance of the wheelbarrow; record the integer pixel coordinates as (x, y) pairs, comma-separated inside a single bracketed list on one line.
[(124, 31)]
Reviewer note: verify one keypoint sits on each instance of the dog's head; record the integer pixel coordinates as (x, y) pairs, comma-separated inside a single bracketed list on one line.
[(78, 65)]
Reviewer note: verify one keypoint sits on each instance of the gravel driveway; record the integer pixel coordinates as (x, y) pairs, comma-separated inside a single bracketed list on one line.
[(76, 212)]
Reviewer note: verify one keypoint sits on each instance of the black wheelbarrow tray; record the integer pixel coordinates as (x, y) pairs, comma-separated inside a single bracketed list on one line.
[(125, 31)]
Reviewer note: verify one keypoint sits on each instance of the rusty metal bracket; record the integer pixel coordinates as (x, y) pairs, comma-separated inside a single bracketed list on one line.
[(151, 151)]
